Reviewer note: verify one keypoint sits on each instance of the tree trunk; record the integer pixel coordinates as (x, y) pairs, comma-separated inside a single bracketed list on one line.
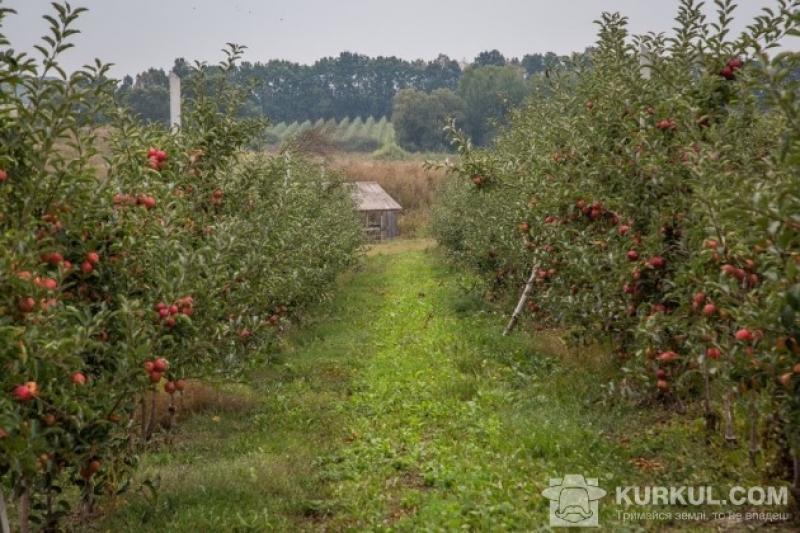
[(87, 501), (4, 527), (49, 523), (753, 445), (25, 510), (710, 415), (796, 477), (172, 410), (522, 299), (730, 432), (151, 426), (130, 431)]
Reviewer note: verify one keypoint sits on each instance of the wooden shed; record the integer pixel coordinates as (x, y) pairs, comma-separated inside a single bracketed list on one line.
[(378, 210)]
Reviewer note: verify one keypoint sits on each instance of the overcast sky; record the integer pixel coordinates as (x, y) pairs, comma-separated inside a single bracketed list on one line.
[(137, 34)]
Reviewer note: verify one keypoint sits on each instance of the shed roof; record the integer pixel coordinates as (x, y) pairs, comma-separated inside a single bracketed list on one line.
[(370, 196)]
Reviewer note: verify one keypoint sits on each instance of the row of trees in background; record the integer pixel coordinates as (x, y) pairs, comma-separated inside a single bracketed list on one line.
[(357, 135), (480, 103), (355, 85)]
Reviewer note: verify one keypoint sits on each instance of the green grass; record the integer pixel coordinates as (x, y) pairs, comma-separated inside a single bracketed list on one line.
[(400, 406)]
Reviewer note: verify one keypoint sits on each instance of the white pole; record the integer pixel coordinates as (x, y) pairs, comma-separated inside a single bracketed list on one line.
[(174, 101), (644, 69), (644, 61), (522, 299)]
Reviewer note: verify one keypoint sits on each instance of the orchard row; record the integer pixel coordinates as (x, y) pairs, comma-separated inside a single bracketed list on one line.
[(655, 193), (168, 257)]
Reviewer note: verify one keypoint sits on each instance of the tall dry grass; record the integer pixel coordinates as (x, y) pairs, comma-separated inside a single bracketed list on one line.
[(408, 181), (199, 398)]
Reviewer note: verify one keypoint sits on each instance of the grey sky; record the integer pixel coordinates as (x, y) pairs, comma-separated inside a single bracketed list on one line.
[(136, 34)]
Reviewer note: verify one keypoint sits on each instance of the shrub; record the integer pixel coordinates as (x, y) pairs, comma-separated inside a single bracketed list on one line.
[(390, 152), (419, 118), (358, 143)]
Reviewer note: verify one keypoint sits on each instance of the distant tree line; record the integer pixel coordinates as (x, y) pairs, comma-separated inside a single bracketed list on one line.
[(418, 95), (487, 89)]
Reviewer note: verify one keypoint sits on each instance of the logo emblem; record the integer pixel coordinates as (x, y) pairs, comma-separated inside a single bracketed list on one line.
[(573, 501)]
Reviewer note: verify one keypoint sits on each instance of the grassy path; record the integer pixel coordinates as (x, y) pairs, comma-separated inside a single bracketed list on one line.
[(401, 407)]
